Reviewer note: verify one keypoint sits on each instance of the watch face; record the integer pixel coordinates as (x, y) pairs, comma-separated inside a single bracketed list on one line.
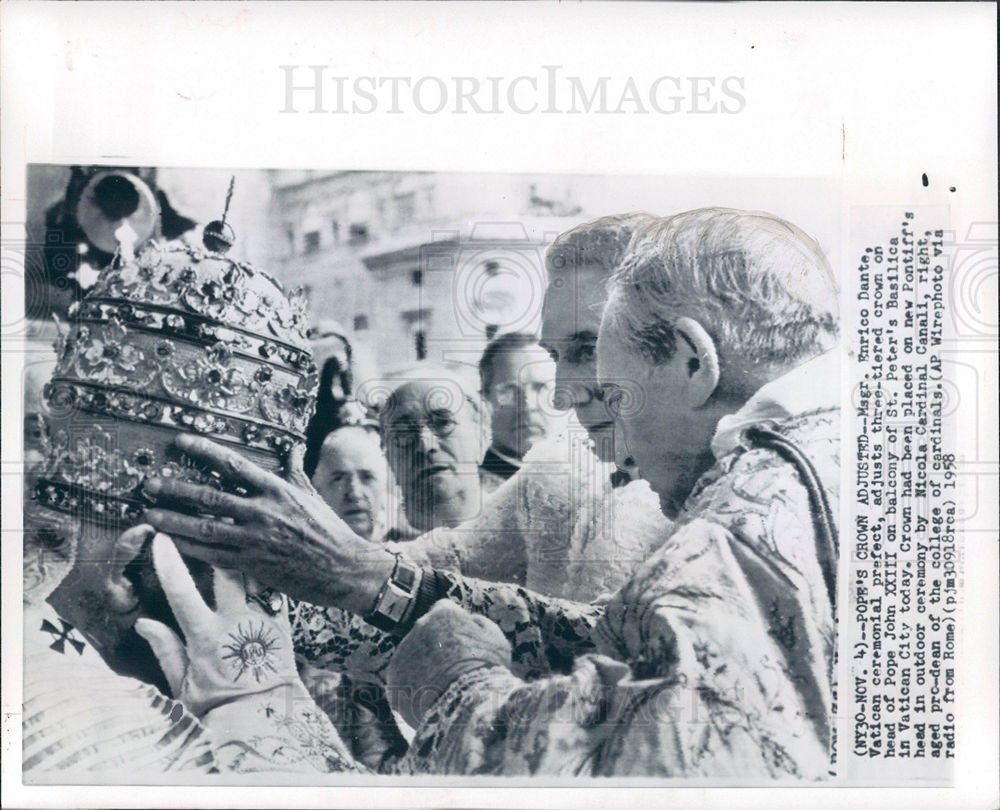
[(398, 593), (395, 604), (404, 576)]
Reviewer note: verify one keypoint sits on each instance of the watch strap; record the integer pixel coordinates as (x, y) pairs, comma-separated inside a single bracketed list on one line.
[(433, 587)]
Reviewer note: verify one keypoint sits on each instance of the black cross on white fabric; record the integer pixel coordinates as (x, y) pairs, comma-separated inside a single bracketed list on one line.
[(62, 636)]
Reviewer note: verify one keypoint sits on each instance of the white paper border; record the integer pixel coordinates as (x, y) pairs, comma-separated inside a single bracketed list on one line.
[(874, 94)]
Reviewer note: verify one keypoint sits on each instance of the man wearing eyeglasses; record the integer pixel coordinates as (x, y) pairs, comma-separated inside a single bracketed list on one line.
[(434, 431), (517, 379)]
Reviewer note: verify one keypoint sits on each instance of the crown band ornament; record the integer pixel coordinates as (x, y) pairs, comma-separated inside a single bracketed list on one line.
[(93, 477), (192, 327), (177, 338), (142, 408), (205, 376)]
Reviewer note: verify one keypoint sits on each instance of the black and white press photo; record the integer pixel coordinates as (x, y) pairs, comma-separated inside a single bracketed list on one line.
[(473, 405), (568, 471)]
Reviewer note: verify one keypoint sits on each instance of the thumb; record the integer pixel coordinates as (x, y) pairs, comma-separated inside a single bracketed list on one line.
[(168, 649), (295, 473)]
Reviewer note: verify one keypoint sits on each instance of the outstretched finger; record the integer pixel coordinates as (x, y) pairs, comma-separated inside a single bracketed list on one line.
[(128, 545), (189, 608), (209, 531), (199, 497), (217, 556), (233, 467)]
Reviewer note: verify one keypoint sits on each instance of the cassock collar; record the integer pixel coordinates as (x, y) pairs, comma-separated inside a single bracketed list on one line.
[(812, 386)]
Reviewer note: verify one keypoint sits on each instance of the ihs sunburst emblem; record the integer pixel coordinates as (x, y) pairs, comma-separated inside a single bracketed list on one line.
[(251, 650)]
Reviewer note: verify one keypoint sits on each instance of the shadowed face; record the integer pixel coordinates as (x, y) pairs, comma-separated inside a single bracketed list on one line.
[(434, 440), (571, 318), (519, 394), (352, 476), (655, 425), (111, 584)]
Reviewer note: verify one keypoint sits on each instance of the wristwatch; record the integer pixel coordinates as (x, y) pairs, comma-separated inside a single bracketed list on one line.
[(407, 595), (396, 597)]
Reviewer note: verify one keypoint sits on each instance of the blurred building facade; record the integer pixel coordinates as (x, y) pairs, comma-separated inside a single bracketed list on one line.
[(410, 266), (418, 266), (406, 266)]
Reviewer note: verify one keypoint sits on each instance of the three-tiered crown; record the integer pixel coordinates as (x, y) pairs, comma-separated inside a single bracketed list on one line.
[(176, 339)]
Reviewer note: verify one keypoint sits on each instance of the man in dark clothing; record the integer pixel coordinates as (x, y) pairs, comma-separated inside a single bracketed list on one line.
[(517, 378)]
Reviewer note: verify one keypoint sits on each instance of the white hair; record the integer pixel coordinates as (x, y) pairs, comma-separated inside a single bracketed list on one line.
[(451, 384), (758, 285)]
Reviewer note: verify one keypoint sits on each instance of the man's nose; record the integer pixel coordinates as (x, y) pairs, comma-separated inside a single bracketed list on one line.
[(564, 392), (427, 440), (530, 399), (623, 456), (352, 488)]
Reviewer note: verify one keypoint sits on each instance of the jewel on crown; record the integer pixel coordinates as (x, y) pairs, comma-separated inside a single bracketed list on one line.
[(176, 338)]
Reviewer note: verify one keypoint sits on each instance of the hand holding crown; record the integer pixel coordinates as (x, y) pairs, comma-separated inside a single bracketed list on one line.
[(227, 653), (281, 533)]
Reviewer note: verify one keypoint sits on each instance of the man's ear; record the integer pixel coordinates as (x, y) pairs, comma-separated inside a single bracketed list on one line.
[(485, 407), (486, 431), (696, 350)]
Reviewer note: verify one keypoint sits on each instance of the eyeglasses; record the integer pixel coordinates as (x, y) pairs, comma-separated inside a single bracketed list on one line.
[(441, 423)]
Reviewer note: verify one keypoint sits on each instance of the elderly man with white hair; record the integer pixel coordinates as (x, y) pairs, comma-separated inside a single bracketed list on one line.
[(718, 654), (716, 658)]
